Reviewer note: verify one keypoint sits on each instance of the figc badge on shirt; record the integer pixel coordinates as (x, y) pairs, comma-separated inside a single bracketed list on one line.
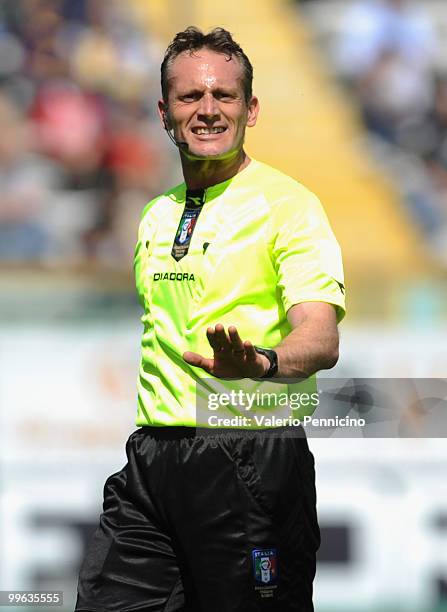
[(193, 205)]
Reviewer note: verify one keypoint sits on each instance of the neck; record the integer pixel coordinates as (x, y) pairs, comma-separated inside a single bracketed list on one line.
[(203, 173)]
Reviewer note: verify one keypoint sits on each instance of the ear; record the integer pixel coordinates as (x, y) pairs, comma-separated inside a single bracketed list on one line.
[(253, 110), (164, 115)]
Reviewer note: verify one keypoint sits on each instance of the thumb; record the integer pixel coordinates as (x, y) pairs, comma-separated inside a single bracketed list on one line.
[(198, 361)]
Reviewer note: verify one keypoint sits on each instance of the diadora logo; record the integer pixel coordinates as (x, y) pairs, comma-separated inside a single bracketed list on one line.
[(197, 201), (174, 276), (342, 287)]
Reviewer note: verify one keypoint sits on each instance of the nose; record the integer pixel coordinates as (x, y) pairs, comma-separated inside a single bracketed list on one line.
[(208, 109)]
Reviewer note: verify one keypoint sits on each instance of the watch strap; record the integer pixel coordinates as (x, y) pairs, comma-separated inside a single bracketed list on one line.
[(272, 357)]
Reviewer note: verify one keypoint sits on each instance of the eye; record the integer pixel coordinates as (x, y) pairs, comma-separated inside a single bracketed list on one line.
[(224, 96), (190, 97)]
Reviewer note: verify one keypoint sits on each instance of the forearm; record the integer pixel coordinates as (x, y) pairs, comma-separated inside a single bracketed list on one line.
[(307, 349)]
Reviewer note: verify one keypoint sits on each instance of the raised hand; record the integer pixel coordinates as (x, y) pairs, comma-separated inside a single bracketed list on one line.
[(232, 358)]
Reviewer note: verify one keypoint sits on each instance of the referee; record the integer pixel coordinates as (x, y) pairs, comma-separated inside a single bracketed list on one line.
[(240, 277)]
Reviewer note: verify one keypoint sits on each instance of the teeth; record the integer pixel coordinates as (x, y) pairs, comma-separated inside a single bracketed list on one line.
[(216, 130)]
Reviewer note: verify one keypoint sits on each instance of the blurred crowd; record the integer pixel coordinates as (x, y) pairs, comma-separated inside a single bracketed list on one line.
[(388, 54), (80, 149)]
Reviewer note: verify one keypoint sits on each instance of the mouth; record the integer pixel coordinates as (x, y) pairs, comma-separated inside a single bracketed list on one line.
[(205, 131)]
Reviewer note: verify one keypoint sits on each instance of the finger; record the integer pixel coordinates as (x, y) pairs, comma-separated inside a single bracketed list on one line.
[(250, 353), (198, 361), (211, 335), (236, 343), (222, 340), (237, 346)]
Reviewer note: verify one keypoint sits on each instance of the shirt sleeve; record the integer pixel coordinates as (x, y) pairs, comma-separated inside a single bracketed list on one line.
[(305, 253), (137, 264), (143, 248)]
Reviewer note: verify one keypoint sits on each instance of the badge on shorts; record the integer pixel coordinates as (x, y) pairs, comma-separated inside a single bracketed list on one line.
[(265, 568)]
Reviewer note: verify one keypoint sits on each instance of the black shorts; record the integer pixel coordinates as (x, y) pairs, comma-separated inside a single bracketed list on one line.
[(205, 523)]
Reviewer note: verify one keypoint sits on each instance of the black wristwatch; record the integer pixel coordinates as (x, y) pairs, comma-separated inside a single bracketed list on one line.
[(272, 357)]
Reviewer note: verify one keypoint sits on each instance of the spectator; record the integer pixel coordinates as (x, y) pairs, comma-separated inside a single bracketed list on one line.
[(371, 27), (392, 93), (26, 184), (76, 147)]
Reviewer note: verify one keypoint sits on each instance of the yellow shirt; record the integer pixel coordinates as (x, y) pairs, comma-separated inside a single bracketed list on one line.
[(260, 244)]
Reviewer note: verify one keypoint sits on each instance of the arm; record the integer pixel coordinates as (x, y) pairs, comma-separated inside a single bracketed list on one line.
[(312, 345)]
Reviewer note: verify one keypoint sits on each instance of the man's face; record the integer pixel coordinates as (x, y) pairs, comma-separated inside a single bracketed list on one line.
[(206, 107)]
